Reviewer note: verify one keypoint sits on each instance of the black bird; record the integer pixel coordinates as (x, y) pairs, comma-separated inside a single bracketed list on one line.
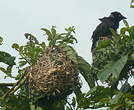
[(103, 29)]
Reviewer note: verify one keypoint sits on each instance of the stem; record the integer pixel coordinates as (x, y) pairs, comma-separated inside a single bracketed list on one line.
[(70, 105), (24, 57), (15, 87)]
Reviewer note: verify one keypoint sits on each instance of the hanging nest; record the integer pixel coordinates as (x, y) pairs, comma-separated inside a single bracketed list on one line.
[(52, 77)]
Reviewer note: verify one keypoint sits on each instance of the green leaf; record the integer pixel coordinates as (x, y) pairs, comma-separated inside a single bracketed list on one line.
[(43, 45), (3, 69), (3, 90), (53, 31), (3, 108), (33, 107), (15, 45), (112, 69), (132, 5), (70, 29), (131, 57), (1, 40), (126, 23), (7, 58), (115, 37), (22, 63), (132, 1), (71, 53), (103, 44), (68, 108), (113, 32), (73, 102), (16, 102), (125, 87), (99, 91), (131, 31), (49, 34), (117, 99), (97, 97), (7, 71), (58, 37), (85, 70), (123, 30), (31, 38)]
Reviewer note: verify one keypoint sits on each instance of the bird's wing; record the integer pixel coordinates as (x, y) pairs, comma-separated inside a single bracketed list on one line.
[(103, 29)]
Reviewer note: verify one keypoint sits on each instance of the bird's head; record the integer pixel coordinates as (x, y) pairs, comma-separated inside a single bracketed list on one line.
[(117, 16)]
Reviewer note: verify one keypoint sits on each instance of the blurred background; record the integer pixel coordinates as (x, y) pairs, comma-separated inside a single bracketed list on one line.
[(28, 16)]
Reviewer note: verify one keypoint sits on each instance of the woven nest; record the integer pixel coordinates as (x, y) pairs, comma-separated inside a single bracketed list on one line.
[(53, 76)]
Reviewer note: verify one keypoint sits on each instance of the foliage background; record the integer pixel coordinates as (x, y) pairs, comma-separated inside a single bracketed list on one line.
[(9, 72), (24, 16)]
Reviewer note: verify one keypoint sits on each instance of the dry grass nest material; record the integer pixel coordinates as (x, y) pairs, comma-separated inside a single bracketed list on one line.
[(53, 74)]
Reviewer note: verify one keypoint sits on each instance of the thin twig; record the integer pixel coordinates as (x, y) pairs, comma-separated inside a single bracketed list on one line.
[(17, 87)]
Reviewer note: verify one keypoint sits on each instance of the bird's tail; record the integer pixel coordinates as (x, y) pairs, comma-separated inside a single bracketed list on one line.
[(93, 46), (94, 40)]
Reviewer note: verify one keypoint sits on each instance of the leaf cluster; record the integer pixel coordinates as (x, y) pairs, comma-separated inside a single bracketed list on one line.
[(64, 38), (113, 62), (113, 58), (8, 60), (29, 54)]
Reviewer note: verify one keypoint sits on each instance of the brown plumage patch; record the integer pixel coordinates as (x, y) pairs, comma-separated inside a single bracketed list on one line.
[(109, 37)]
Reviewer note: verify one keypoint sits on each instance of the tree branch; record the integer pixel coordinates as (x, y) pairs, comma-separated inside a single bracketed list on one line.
[(7, 84), (15, 87)]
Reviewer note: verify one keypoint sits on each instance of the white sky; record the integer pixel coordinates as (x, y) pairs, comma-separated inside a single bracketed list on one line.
[(20, 16)]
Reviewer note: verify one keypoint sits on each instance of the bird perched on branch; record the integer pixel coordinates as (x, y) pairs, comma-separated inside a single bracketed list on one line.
[(102, 31)]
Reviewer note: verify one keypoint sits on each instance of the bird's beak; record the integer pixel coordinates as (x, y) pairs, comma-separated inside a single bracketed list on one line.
[(123, 17)]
